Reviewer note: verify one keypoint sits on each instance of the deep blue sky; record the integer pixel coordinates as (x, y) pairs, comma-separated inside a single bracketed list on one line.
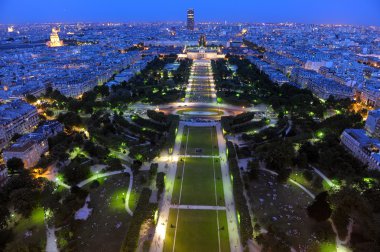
[(363, 12)]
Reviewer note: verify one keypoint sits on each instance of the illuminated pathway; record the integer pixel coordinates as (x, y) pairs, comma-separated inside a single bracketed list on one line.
[(200, 90)]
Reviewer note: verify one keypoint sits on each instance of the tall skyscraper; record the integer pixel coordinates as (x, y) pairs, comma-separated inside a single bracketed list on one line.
[(190, 19)]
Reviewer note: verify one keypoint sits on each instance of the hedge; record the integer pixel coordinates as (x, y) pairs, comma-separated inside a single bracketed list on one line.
[(149, 124), (160, 184), (245, 224), (229, 122)]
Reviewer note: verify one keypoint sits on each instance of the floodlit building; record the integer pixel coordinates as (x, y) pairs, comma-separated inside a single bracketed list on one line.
[(30, 147), (54, 38)]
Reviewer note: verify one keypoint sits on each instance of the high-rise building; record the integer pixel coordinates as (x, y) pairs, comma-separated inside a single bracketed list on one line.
[(190, 19)]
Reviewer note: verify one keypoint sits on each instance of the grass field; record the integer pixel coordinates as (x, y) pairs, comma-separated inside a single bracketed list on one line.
[(282, 206), (105, 229), (198, 183), (203, 138), (197, 230)]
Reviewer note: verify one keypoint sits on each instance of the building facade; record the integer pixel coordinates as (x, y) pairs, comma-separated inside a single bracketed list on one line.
[(362, 146), (30, 147), (16, 117), (190, 20), (372, 124)]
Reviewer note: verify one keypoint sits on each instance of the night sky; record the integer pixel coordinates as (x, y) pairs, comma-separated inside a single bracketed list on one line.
[(361, 12)]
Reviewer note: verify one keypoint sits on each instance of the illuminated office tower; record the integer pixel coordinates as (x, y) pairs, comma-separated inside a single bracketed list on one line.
[(190, 19)]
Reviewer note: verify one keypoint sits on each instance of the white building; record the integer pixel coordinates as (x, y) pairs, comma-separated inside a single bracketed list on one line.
[(363, 147), (30, 147), (16, 117)]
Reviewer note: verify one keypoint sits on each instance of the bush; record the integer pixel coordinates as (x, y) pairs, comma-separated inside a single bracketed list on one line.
[(160, 183), (153, 170), (245, 225), (308, 175)]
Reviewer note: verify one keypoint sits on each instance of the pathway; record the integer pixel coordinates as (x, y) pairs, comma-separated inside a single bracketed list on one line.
[(233, 231), (165, 204), (51, 240), (199, 156), (324, 177)]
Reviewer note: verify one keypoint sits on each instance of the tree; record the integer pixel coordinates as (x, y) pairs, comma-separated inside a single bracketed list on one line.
[(15, 245), (15, 165), (308, 175), (320, 209), (4, 214), (6, 235), (253, 169), (70, 119), (283, 175), (24, 200), (349, 203), (136, 165), (277, 155), (76, 172), (30, 98), (49, 113), (103, 90), (49, 197), (23, 180), (114, 164), (311, 152)]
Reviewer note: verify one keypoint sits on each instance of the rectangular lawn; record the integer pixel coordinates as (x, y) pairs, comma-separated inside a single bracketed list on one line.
[(197, 230), (202, 138), (198, 183)]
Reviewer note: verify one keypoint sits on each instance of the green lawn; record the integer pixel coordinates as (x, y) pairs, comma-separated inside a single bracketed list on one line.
[(198, 184), (203, 138), (283, 207), (105, 228), (197, 230)]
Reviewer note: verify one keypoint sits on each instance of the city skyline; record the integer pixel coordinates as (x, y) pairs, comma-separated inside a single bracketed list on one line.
[(296, 11), (121, 130)]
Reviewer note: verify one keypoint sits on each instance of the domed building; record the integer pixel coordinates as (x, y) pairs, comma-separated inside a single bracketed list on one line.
[(54, 38)]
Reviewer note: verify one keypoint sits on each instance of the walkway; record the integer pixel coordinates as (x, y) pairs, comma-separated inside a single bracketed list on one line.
[(198, 156), (233, 230), (324, 177), (165, 204), (51, 240)]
